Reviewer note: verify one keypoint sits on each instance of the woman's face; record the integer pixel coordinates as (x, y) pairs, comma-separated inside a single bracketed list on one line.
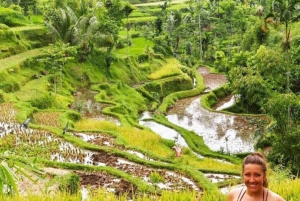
[(253, 177)]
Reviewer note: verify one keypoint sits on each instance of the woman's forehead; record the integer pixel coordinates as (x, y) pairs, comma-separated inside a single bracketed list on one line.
[(253, 167)]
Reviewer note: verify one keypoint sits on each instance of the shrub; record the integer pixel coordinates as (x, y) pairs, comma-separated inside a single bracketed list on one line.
[(9, 86), (16, 8), (3, 26), (135, 35), (11, 18), (119, 45), (1, 96), (70, 183), (43, 101), (221, 61), (72, 115), (155, 177), (161, 46)]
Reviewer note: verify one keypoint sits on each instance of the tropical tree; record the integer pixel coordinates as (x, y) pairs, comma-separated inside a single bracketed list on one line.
[(164, 7), (172, 23), (263, 76), (199, 27), (89, 32), (205, 29), (295, 62), (161, 18), (55, 58), (270, 64), (25, 4), (286, 11), (114, 11), (250, 88), (127, 10), (285, 143)]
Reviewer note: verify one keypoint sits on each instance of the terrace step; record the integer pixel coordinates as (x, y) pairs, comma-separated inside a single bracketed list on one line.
[(11, 61)]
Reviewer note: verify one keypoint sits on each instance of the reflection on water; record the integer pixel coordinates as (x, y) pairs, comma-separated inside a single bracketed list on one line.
[(163, 131), (221, 132), (226, 104), (216, 178)]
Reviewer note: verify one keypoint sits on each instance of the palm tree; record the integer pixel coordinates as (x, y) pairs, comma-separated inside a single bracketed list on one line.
[(89, 31), (164, 8), (61, 22), (127, 10), (285, 11)]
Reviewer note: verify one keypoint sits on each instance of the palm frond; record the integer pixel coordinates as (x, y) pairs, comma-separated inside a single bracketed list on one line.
[(93, 20), (64, 24), (52, 29), (93, 27), (103, 40), (83, 7), (82, 24), (72, 15)]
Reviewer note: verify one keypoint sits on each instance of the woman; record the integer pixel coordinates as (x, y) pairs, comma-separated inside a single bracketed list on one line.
[(254, 173)]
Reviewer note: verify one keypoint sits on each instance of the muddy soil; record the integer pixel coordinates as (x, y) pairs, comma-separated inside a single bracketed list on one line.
[(211, 80), (86, 105), (111, 183)]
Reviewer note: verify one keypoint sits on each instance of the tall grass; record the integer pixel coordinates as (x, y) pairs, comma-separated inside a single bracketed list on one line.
[(168, 70), (207, 163), (137, 47), (288, 189), (103, 195), (145, 139)]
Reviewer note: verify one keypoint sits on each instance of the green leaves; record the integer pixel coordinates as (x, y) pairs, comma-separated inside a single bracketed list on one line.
[(127, 9), (7, 182), (10, 166), (56, 57)]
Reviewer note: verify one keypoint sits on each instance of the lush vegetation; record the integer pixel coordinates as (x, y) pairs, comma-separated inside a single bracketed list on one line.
[(144, 57)]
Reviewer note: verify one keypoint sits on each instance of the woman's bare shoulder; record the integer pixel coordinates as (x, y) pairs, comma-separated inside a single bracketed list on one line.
[(234, 193), (275, 197)]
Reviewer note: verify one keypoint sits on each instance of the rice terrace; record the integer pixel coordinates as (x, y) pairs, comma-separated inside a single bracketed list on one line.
[(147, 100)]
